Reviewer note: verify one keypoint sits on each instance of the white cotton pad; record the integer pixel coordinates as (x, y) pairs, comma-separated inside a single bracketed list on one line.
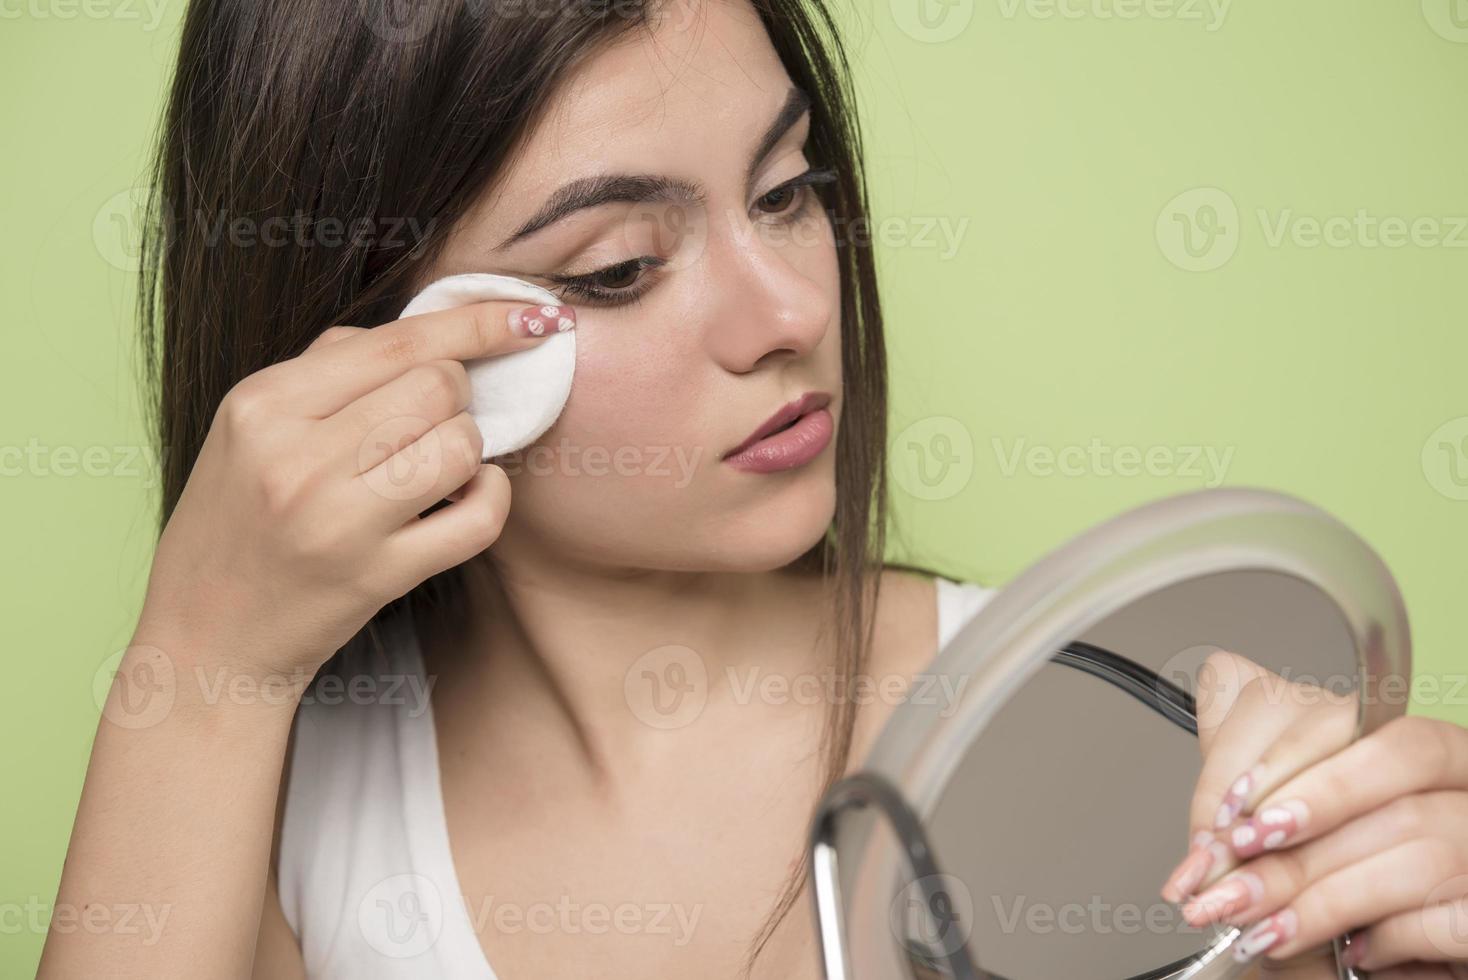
[(518, 396)]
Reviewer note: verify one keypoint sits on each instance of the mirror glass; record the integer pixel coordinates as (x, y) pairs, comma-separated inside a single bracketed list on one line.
[(1070, 807)]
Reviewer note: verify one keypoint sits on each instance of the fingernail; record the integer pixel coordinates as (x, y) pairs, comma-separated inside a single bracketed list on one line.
[(1270, 828), (1265, 935), (1236, 797), (1190, 871), (537, 321), (1355, 950), (1227, 898)]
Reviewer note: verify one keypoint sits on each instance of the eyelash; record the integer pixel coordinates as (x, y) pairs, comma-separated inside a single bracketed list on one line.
[(586, 285)]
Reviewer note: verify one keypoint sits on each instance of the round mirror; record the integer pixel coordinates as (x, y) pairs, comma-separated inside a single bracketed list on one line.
[(1023, 829)]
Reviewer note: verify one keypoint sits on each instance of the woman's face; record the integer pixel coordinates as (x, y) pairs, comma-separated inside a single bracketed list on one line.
[(678, 364)]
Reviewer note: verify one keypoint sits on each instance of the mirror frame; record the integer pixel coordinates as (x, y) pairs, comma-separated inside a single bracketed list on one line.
[(1054, 601)]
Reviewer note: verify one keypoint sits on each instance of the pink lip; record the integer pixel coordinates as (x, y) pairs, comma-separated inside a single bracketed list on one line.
[(767, 450)]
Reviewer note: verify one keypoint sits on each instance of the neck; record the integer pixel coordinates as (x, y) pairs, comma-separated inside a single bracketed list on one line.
[(613, 671)]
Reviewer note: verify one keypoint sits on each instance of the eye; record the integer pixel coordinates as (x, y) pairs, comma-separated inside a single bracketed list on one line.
[(794, 194), (778, 199), (613, 285)]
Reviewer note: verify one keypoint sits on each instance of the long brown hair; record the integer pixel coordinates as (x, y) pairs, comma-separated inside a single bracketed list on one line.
[(355, 131)]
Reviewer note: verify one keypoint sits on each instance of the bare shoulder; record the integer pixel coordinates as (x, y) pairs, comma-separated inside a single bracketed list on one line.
[(905, 635)]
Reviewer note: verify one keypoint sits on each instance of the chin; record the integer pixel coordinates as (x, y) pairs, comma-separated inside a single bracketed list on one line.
[(774, 529)]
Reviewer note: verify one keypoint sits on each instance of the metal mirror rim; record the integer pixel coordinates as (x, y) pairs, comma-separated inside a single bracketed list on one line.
[(1058, 598)]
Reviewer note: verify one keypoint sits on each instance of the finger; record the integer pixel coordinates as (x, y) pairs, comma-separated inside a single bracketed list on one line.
[(1313, 964), (1221, 678), (336, 374), (332, 334), (1272, 881), (384, 421), (1327, 725), (1392, 880), (1234, 709), (1248, 731), (422, 474), (455, 533), (1407, 756), (1437, 932)]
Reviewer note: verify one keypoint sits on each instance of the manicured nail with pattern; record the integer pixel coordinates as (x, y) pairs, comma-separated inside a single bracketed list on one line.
[(1234, 799), (1190, 871), (1266, 934), (1270, 828), (537, 321), (1228, 897)]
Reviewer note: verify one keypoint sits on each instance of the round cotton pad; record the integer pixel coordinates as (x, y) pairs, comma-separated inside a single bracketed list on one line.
[(515, 397)]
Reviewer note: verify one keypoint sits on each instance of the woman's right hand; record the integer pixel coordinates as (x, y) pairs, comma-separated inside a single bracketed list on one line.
[(301, 516)]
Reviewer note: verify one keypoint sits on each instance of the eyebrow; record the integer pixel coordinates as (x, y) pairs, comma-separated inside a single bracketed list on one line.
[(590, 192)]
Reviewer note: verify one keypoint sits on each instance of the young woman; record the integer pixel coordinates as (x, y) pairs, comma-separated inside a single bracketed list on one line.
[(621, 634)]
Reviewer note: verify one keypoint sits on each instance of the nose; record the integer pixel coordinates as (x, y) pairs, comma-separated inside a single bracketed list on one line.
[(769, 305)]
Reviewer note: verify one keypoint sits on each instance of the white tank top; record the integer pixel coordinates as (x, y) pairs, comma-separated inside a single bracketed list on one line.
[(366, 879)]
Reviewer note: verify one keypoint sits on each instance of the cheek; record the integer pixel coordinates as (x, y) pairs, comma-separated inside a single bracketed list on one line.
[(629, 389)]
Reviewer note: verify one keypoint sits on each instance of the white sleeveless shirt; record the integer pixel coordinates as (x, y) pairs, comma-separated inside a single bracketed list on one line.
[(366, 878)]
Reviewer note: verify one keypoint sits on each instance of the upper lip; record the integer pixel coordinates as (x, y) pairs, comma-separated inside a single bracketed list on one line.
[(808, 402)]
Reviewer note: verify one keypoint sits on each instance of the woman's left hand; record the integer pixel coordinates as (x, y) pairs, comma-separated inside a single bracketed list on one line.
[(1301, 834)]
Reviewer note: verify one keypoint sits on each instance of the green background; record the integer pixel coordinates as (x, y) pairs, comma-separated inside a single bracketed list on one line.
[(1067, 144)]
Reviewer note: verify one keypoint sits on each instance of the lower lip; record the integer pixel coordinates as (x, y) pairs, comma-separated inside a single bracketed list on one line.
[(789, 448)]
